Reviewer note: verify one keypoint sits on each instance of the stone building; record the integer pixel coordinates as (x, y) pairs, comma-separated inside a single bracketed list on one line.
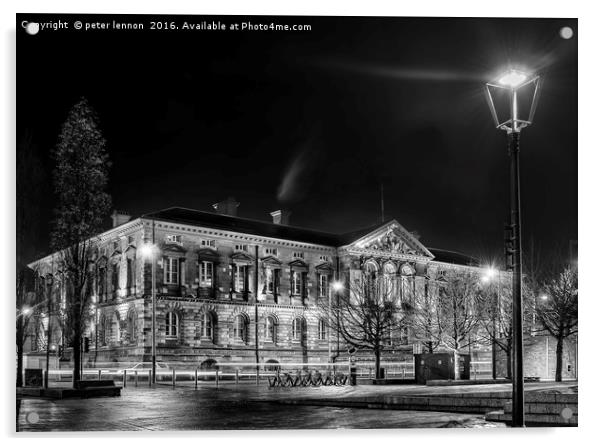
[(230, 288)]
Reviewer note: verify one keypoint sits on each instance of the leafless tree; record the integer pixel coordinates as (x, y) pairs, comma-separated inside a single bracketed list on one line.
[(457, 315), (424, 316), (369, 316), (558, 312)]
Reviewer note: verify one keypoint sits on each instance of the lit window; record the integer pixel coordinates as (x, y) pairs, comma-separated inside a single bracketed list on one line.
[(298, 255), (131, 326), (171, 270), (321, 329), (270, 329), (323, 285), (325, 258), (243, 248), (270, 251), (269, 278), (240, 328), (296, 282), (297, 329), (171, 325), (207, 326), (206, 274), (240, 278), (172, 238), (207, 243)]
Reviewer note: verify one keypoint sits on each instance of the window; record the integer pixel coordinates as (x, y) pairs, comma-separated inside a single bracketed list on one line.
[(298, 329), (270, 251), (270, 329), (171, 270), (296, 282), (130, 274), (244, 248), (325, 258), (115, 329), (298, 255), (321, 329), (171, 325), (115, 277), (172, 238), (206, 274), (207, 243), (102, 280), (240, 278), (269, 279), (102, 331), (240, 328), (207, 326), (131, 326), (371, 270), (323, 285), (390, 283)]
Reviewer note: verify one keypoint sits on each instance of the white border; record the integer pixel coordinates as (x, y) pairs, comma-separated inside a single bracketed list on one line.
[(589, 199)]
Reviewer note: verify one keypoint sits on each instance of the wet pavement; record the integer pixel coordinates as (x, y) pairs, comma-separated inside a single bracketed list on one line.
[(229, 407)]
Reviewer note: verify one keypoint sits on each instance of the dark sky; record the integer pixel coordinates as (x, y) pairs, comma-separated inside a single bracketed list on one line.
[(313, 121)]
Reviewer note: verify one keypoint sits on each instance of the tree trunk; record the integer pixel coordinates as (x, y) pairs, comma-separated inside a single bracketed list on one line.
[(509, 363), (76, 355), (430, 347), (559, 351), (377, 364)]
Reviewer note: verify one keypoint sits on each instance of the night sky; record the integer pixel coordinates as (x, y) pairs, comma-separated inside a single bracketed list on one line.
[(314, 121)]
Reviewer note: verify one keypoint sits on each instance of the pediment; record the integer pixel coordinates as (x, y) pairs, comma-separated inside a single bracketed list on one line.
[(392, 238), (326, 267), (271, 260), (242, 257)]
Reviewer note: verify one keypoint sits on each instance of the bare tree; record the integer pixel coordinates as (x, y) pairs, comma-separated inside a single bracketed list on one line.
[(423, 317), (370, 316), (558, 312), (457, 314), (495, 317)]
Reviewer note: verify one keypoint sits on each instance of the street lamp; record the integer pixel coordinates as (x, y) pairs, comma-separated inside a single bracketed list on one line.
[(337, 287), (148, 251), (515, 88)]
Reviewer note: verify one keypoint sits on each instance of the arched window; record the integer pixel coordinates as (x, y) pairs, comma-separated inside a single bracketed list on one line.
[(240, 328), (102, 331), (115, 332), (207, 325), (270, 329), (298, 329), (391, 288), (171, 325), (321, 329), (371, 270), (131, 326)]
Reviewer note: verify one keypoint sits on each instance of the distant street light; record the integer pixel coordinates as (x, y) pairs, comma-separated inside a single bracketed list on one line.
[(148, 251), (515, 88), (337, 286), (544, 297)]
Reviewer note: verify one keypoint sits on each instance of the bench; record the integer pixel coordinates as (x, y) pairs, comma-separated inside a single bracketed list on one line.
[(99, 387)]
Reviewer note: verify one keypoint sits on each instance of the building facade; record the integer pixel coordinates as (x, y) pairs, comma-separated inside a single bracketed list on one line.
[(230, 289)]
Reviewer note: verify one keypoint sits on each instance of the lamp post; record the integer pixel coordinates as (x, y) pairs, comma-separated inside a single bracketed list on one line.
[(148, 251), (515, 87), (337, 286)]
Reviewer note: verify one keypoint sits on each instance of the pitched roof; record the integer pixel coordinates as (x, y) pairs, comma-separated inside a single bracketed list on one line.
[(245, 225), (285, 232)]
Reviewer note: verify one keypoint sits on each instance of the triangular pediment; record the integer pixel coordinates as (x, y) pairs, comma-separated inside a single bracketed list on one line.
[(271, 260), (392, 238)]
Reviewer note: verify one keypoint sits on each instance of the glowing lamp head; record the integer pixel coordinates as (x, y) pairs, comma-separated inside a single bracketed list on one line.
[(512, 78), (544, 297), (26, 310), (147, 250), (337, 285)]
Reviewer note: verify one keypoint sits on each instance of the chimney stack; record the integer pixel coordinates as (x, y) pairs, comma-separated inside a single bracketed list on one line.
[(120, 218), (281, 216), (227, 207)]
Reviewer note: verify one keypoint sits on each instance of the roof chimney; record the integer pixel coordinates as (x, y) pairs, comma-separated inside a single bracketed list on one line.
[(281, 217), (120, 218), (227, 207)]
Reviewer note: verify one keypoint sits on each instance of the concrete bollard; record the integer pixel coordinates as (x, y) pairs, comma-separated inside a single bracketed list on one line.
[(135, 378), (236, 378), (150, 378), (196, 379), (125, 378), (216, 378), (99, 374), (173, 378)]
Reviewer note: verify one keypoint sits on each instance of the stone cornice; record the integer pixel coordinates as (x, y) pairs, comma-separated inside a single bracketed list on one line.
[(384, 254)]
